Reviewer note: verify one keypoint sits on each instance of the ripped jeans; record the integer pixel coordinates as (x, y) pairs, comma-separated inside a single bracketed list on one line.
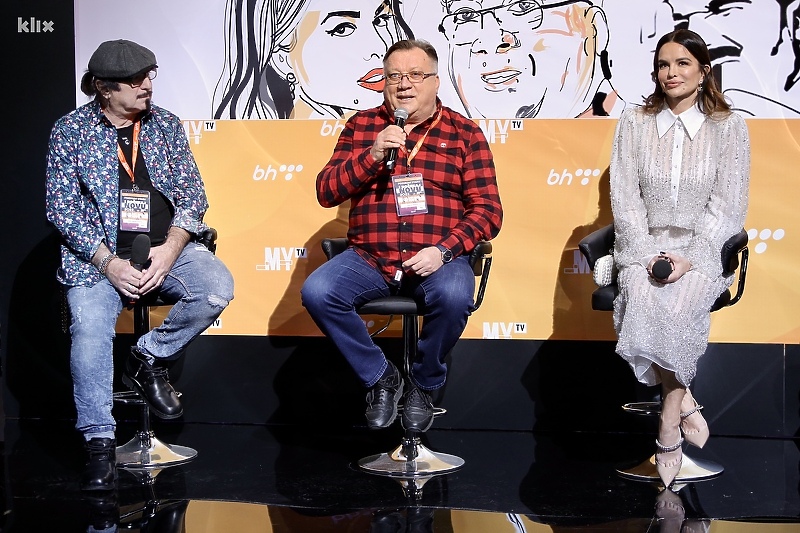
[(201, 285)]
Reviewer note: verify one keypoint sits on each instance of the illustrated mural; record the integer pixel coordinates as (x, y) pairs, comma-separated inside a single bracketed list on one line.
[(321, 59)]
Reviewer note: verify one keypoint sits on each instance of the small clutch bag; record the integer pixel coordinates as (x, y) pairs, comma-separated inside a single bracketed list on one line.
[(605, 271)]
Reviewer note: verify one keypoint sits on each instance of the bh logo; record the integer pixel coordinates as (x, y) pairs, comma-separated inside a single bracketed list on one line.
[(503, 330), (281, 258), (329, 130), (760, 238), (498, 129), (270, 174), (565, 177)]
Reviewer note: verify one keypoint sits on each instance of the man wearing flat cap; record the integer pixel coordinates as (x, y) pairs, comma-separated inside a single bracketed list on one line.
[(119, 167)]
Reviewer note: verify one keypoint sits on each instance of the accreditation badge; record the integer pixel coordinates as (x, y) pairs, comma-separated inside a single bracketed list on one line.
[(409, 194), (134, 210)]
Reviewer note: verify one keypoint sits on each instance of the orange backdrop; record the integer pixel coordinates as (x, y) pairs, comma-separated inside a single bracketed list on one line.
[(553, 179)]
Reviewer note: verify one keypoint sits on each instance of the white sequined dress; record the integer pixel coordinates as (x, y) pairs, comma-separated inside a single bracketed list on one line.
[(683, 191)]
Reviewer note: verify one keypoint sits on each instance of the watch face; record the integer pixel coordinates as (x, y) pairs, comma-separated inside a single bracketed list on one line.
[(447, 256)]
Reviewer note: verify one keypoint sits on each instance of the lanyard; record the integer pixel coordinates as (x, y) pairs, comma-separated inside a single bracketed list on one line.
[(134, 152), (422, 139)]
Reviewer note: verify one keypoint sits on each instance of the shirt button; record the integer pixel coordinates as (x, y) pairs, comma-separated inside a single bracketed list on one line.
[(405, 251)]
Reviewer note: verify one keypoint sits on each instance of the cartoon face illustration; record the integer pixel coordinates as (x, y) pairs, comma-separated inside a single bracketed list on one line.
[(524, 58), (304, 58), (321, 59)]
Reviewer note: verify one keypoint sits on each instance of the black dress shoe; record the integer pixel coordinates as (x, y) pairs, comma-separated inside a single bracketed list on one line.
[(152, 384), (382, 399), (417, 410), (100, 472)]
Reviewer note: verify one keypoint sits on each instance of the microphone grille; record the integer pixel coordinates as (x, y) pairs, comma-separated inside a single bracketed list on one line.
[(400, 114)]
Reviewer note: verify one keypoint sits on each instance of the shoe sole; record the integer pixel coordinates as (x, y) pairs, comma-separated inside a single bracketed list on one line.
[(134, 386), (395, 401)]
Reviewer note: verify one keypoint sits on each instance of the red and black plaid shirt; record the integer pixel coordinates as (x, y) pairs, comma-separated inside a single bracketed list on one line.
[(460, 188)]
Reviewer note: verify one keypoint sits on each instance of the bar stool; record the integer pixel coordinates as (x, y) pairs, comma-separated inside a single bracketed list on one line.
[(734, 255), (145, 453), (412, 463)]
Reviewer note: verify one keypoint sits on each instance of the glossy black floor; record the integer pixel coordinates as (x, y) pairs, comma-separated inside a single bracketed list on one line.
[(259, 478)]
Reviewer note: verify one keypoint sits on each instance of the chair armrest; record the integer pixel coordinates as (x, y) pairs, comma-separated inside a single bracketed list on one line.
[(730, 252), (480, 259), (333, 247), (735, 254), (597, 244)]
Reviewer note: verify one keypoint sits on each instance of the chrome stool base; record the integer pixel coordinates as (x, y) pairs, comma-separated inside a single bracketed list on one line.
[(691, 470), (144, 451), (412, 464)]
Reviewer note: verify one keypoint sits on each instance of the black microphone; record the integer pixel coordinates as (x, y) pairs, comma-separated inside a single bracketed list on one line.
[(662, 268), (400, 116), (140, 251)]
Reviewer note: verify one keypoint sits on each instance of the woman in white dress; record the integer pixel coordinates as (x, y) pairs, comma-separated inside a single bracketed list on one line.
[(680, 171)]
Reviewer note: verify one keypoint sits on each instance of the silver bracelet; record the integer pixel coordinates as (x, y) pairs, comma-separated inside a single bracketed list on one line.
[(104, 263)]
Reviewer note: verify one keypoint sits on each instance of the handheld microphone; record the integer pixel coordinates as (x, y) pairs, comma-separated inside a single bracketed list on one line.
[(140, 251), (400, 116), (662, 268)]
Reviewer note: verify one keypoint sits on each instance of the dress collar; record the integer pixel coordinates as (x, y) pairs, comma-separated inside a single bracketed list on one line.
[(692, 119)]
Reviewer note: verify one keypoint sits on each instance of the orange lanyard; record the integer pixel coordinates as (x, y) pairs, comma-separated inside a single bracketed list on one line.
[(134, 152), (422, 139)]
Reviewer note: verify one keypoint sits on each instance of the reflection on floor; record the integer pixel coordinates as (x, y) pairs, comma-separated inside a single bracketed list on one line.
[(287, 479)]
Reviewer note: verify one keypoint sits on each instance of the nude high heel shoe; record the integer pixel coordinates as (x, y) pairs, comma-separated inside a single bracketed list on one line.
[(668, 470), (699, 436)]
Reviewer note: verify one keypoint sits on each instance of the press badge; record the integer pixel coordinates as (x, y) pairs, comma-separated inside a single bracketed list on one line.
[(409, 194), (134, 210)]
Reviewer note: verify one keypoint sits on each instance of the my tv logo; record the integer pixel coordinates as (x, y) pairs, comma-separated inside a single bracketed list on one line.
[(498, 129), (503, 330), (281, 258), (33, 25), (565, 177), (331, 131), (580, 264), (217, 324), (269, 173), (194, 128)]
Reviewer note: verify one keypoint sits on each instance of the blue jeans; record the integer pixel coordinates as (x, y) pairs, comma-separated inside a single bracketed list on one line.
[(333, 291), (201, 285)]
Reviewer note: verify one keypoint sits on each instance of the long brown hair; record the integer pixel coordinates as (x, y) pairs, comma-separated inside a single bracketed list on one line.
[(710, 100)]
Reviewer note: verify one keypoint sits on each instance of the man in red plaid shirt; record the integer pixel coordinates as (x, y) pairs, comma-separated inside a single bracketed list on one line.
[(412, 227)]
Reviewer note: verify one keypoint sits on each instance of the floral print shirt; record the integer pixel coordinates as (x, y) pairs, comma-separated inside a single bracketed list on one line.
[(82, 188)]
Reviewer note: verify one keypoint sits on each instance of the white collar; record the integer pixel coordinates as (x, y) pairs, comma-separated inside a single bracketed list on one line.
[(692, 119)]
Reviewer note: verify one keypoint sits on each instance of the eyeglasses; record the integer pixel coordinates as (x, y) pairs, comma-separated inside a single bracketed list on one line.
[(414, 77), (467, 20), (138, 80)]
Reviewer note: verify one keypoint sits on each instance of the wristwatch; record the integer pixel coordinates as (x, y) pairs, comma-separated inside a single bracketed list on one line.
[(447, 254)]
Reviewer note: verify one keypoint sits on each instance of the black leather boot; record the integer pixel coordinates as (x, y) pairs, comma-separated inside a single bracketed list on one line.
[(152, 383), (100, 472)]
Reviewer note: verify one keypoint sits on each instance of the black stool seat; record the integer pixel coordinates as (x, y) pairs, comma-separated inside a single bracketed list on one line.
[(390, 305)]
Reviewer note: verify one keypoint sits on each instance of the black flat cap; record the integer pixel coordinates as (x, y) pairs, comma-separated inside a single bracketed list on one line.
[(120, 59)]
